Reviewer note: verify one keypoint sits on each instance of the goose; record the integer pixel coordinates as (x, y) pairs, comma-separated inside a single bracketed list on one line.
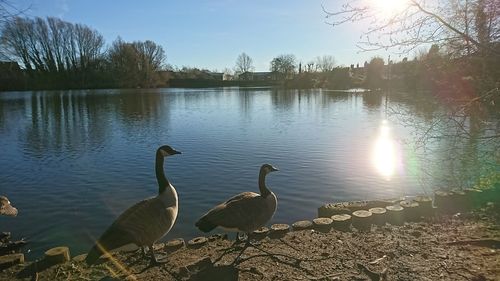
[(6, 209), (245, 212), (145, 222)]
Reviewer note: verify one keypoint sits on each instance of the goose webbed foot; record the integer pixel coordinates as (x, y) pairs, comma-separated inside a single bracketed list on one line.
[(144, 251), (157, 259), (238, 258)]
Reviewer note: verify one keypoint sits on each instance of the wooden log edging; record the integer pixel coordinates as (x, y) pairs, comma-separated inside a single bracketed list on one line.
[(302, 225), (261, 233), (395, 214), (424, 206), (322, 224), (342, 222), (279, 230), (56, 255), (360, 214), (410, 210), (174, 245), (330, 209), (362, 220), (379, 215), (197, 242), (11, 260)]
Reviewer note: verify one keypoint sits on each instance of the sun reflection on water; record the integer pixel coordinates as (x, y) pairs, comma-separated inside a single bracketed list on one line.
[(383, 153)]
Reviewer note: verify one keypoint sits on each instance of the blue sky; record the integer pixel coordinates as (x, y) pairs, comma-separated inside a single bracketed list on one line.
[(211, 34)]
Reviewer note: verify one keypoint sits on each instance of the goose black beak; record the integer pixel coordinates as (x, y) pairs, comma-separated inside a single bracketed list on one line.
[(274, 169), (177, 152)]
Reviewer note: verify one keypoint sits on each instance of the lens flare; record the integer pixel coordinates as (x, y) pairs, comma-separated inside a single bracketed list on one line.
[(388, 8)]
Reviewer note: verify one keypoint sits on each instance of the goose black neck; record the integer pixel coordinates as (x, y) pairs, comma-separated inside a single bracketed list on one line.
[(160, 174), (264, 191)]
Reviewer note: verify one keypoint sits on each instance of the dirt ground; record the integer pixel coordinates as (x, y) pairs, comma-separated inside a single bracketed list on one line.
[(451, 247)]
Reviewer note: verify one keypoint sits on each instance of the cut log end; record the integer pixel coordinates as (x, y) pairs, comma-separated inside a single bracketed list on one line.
[(411, 211), (260, 233), (57, 255), (279, 230), (322, 224), (379, 215), (301, 225), (394, 214), (174, 244), (341, 222), (197, 242), (362, 220), (11, 260)]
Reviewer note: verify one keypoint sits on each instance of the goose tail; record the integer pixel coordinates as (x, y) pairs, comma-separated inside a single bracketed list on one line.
[(205, 225), (93, 255)]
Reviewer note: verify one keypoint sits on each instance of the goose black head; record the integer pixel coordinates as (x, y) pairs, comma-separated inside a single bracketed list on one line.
[(166, 150), (268, 168)]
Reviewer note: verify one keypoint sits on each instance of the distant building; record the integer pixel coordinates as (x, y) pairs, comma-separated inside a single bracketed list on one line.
[(257, 76), (228, 77), (219, 76)]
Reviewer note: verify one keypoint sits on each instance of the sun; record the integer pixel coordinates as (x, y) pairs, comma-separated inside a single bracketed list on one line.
[(389, 8)]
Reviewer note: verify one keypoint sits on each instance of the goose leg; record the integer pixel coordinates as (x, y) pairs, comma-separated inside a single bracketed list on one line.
[(154, 258), (233, 248), (247, 244)]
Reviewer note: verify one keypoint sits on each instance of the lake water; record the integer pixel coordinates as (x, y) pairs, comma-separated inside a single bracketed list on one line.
[(72, 161)]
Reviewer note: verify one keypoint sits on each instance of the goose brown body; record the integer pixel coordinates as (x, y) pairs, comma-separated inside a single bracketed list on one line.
[(244, 212), (146, 221)]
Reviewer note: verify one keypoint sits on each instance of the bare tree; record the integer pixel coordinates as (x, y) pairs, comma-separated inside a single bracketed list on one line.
[(244, 63), (419, 22), (463, 134), (325, 63), (51, 45), (53, 52), (9, 10)]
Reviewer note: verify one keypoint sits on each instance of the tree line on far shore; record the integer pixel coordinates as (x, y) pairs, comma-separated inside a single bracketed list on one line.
[(50, 53)]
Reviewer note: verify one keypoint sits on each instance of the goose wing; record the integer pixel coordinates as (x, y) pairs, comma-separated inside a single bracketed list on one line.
[(142, 224), (244, 212)]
